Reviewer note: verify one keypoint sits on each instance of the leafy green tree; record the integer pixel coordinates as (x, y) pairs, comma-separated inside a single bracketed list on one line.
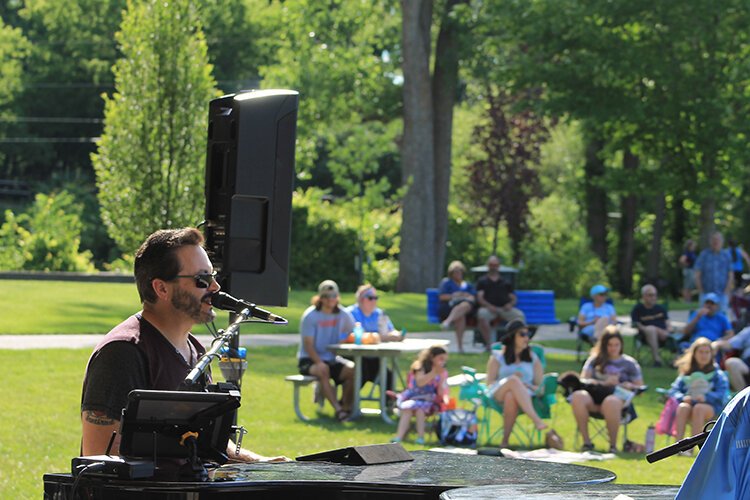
[(344, 65), (151, 158), (71, 53), (655, 85), (14, 49), (505, 179)]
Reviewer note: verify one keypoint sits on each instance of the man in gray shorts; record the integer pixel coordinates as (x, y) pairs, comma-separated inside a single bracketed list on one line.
[(496, 299), (325, 323)]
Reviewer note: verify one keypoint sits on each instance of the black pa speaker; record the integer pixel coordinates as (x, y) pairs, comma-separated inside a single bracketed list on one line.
[(249, 182), (362, 455)]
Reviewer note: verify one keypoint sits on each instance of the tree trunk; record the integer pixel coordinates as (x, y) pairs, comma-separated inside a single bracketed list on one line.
[(654, 254), (417, 254), (444, 89), (707, 225), (596, 199), (679, 235), (626, 248)]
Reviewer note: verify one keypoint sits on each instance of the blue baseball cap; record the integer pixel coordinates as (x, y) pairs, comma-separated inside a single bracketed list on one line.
[(712, 297), (597, 289)]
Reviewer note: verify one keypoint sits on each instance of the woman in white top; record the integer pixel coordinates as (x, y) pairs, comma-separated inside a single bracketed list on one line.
[(513, 375)]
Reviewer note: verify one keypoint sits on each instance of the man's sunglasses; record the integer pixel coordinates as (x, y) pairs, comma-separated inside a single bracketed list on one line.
[(202, 280), (371, 297)]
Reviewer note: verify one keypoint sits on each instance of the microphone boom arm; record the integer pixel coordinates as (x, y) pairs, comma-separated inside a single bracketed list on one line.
[(191, 380), (681, 445)]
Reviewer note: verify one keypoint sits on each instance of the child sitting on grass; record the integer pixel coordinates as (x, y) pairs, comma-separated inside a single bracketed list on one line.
[(426, 390)]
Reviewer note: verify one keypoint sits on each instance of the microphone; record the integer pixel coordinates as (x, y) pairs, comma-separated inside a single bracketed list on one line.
[(224, 301)]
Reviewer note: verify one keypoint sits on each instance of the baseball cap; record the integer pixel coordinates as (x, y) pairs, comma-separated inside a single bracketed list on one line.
[(329, 287), (597, 289), (712, 297)]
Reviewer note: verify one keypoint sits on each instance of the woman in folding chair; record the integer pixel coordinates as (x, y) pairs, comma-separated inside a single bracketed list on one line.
[(513, 375), (701, 388), (609, 367)]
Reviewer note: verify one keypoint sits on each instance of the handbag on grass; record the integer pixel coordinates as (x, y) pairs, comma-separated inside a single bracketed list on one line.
[(666, 423)]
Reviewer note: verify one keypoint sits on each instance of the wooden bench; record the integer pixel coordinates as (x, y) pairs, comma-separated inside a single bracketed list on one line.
[(300, 381)]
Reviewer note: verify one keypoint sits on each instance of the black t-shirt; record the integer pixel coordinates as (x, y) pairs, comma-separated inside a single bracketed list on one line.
[(114, 371), (656, 316), (134, 355), (496, 292)]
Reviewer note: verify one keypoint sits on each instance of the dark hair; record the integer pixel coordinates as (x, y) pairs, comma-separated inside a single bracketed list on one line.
[(157, 258), (509, 352), (600, 352), (424, 360)]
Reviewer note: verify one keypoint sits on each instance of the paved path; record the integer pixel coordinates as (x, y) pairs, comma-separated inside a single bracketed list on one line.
[(545, 332)]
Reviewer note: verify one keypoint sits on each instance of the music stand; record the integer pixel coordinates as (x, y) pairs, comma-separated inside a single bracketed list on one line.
[(180, 425)]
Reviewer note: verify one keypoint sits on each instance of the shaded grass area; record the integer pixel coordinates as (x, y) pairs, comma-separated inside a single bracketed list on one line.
[(40, 431)]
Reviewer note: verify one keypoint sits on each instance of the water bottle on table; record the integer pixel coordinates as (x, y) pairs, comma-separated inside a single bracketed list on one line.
[(358, 333)]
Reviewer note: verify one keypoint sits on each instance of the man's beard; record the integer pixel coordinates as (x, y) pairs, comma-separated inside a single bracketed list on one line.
[(192, 307)]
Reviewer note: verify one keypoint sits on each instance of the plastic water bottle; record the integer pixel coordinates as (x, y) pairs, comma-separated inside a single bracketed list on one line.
[(358, 332), (650, 438), (242, 352)]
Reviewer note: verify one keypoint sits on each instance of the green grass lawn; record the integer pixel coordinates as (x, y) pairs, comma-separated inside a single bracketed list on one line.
[(66, 307), (40, 429)]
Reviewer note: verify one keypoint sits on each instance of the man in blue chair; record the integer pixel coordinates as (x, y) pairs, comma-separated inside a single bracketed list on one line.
[(709, 321)]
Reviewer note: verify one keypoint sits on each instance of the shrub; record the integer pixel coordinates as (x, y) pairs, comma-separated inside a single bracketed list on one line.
[(45, 238), (321, 248)]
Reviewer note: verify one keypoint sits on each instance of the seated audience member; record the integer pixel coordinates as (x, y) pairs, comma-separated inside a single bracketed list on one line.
[(610, 367), (709, 321), (701, 387), (496, 299), (325, 323), (375, 322), (427, 389), (652, 320), (513, 375), (594, 316), (738, 368), (457, 301)]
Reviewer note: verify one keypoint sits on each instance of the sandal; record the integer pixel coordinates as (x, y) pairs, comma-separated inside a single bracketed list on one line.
[(342, 415)]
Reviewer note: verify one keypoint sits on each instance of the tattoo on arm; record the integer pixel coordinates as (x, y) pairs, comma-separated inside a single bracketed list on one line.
[(97, 417)]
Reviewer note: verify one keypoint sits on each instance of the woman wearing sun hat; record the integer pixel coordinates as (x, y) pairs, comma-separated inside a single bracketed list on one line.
[(513, 375), (594, 316)]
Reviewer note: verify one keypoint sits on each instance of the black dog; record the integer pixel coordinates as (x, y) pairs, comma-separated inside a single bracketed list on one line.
[(571, 382)]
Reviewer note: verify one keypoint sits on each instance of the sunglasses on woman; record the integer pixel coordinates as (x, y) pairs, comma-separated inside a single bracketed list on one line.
[(202, 280)]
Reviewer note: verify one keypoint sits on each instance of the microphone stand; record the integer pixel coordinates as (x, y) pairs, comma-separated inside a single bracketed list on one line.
[(232, 332), (681, 445)]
